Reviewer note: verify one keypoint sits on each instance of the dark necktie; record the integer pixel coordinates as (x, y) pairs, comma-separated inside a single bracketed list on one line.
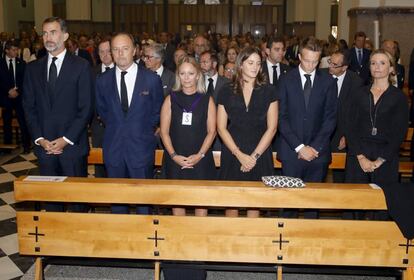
[(107, 68), (274, 74), (336, 81), (307, 89), (124, 93), (52, 78), (11, 71), (210, 88), (359, 56)]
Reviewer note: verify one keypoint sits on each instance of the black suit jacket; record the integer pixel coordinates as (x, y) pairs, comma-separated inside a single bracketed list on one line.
[(311, 126), (363, 69), (400, 71), (291, 56), (168, 81), (169, 57), (6, 81), (70, 113), (85, 55), (221, 82), (350, 86), (283, 70)]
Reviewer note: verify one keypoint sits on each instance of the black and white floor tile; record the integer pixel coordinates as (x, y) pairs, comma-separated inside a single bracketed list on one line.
[(12, 265)]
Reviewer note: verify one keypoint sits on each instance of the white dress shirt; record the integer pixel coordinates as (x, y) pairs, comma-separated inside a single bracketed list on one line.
[(130, 78), (103, 67), (214, 77), (270, 70), (340, 81), (160, 70)]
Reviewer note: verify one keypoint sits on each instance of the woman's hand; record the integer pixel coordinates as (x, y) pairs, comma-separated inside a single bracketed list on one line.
[(247, 162), (366, 165), (194, 159), (182, 161)]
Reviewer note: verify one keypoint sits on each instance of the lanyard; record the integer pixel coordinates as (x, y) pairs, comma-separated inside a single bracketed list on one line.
[(192, 106)]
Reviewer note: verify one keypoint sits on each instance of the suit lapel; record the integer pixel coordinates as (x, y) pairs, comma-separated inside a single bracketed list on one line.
[(297, 88), (64, 72), (345, 87), (43, 79), (139, 82)]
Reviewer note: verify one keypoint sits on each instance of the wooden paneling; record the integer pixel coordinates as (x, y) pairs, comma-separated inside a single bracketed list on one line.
[(245, 240), (201, 17)]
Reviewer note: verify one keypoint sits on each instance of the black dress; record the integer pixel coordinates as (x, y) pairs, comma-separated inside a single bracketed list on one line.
[(188, 139), (247, 126), (390, 122)]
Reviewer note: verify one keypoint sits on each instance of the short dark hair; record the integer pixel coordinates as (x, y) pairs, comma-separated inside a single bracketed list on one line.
[(213, 55), (11, 43), (59, 20), (104, 41), (345, 56), (360, 34), (275, 39), (310, 43)]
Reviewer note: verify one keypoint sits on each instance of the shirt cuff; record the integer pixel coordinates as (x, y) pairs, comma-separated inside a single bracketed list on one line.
[(68, 141), (297, 149), (37, 140)]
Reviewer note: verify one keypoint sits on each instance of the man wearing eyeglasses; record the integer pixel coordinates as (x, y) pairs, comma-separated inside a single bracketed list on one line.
[(153, 57), (348, 82), (128, 100)]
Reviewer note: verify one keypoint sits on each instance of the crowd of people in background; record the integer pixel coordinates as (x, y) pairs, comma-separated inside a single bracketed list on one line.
[(300, 97)]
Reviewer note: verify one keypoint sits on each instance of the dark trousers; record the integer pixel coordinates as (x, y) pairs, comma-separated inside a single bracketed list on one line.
[(123, 170), (7, 113), (175, 272), (60, 165), (311, 172)]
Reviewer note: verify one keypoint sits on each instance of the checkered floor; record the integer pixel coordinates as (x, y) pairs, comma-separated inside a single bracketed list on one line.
[(12, 265)]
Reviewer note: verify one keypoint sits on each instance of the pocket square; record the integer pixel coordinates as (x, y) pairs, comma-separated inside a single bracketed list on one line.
[(143, 93)]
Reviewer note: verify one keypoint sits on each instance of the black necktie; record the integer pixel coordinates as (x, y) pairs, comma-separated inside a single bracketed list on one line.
[(52, 78), (107, 68), (307, 89), (210, 88), (124, 93), (11, 70), (274, 74), (359, 56), (336, 81)]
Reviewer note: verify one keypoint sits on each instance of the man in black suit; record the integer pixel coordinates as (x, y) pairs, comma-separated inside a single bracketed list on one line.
[(165, 41), (213, 81), (154, 55), (273, 68), (348, 84), (292, 52), (11, 89), (58, 104), (359, 58), (138, 54), (73, 47), (391, 47), (307, 118), (97, 125)]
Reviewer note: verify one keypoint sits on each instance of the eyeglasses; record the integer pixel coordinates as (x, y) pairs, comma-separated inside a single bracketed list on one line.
[(149, 56), (333, 65), (229, 70)]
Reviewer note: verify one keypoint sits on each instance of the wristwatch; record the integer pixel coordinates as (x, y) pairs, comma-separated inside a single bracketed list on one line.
[(256, 156)]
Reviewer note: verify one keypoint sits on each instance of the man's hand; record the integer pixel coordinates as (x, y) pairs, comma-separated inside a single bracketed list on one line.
[(308, 153), (47, 145), (58, 145), (342, 143), (13, 93)]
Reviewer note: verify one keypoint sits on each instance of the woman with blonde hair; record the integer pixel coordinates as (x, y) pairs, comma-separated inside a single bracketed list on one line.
[(188, 128), (379, 118)]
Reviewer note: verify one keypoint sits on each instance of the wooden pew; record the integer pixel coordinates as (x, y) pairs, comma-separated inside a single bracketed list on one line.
[(210, 239), (338, 161), (405, 149)]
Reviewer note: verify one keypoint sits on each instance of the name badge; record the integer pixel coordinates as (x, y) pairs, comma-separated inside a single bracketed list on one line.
[(187, 118)]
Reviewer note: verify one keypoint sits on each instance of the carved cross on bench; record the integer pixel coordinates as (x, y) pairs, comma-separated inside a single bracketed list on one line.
[(36, 234), (407, 245)]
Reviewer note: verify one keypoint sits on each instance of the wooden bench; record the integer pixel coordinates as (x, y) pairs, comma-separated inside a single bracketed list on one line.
[(158, 238), (15, 126), (405, 149), (338, 161)]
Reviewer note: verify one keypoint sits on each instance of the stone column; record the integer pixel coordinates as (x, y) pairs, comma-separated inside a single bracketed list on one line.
[(42, 10), (323, 16), (2, 16), (101, 10)]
